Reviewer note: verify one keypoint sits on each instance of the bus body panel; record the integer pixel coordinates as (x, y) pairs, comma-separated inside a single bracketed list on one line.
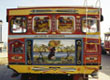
[(58, 27)]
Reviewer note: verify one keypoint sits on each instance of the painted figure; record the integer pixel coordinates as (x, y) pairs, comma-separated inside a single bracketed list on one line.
[(51, 55)]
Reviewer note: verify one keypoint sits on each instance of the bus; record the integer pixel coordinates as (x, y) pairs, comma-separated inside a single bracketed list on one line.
[(107, 42), (51, 42)]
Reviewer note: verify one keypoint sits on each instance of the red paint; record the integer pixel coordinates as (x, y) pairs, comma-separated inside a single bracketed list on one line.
[(30, 31), (10, 56), (92, 46), (77, 77), (98, 61)]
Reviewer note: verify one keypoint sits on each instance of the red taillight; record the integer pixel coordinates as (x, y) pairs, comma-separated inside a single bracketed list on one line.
[(92, 59)]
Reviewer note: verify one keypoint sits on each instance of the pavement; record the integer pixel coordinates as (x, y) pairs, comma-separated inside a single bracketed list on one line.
[(104, 74), (5, 73), (3, 58), (3, 54)]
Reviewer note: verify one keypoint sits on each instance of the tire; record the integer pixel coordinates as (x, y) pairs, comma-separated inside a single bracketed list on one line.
[(103, 50), (24, 76)]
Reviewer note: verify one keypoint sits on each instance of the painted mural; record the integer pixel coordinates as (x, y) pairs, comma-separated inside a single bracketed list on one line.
[(66, 24), (41, 24), (54, 51)]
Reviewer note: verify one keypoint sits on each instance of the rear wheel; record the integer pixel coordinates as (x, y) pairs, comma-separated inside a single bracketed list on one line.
[(24, 76), (53, 77), (28, 77)]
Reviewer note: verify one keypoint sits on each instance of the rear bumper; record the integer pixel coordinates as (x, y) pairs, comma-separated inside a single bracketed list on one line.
[(46, 69)]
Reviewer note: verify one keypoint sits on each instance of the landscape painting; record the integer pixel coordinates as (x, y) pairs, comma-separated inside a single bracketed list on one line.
[(54, 51)]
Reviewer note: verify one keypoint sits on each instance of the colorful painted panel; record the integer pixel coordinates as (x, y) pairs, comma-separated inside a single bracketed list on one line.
[(54, 51), (65, 24), (16, 58), (18, 25), (16, 47), (89, 24), (41, 24), (91, 47)]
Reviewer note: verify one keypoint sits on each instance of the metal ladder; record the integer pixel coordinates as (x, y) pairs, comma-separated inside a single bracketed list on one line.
[(87, 33)]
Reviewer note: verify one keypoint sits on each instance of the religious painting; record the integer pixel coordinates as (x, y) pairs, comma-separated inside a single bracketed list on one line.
[(41, 24), (65, 24)]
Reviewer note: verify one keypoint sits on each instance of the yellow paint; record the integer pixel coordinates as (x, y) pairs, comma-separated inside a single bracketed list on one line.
[(29, 11), (29, 17), (94, 33), (78, 16), (44, 69), (53, 32)]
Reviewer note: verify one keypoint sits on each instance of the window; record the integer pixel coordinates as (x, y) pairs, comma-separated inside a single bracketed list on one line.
[(107, 37), (89, 24), (41, 24), (65, 24), (18, 24)]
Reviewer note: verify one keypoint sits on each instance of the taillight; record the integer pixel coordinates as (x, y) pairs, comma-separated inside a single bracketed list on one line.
[(92, 59)]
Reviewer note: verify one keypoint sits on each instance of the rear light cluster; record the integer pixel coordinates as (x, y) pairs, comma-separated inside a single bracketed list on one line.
[(91, 58)]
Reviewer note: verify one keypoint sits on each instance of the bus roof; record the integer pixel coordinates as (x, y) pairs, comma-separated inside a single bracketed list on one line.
[(33, 7), (54, 6), (52, 10)]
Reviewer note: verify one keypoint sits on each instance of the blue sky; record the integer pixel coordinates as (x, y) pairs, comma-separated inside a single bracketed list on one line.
[(4, 4)]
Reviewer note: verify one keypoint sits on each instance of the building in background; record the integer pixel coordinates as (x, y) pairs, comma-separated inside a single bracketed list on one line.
[(1, 42)]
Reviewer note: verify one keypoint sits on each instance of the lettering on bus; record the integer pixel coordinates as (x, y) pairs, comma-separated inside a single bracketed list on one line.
[(34, 11), (49, 36)]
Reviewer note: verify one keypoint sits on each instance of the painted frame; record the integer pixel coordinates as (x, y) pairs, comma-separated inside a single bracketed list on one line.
[(56, 64)]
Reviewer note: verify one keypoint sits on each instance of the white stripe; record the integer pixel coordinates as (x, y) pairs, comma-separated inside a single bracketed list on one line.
[(52, 36)]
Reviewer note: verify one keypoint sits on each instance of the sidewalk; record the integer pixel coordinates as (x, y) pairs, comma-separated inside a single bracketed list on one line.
[(102, 76), (3, 58)]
